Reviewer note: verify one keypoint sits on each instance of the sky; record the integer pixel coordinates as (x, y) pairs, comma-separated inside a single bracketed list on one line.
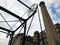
[(53, 7)]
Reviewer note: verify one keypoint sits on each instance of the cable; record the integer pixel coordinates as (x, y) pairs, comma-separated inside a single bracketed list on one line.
[(6, 21)]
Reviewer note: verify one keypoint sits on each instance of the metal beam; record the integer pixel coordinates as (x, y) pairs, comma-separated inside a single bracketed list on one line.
[(11, 13), (5, 29), (32, 13), (19, 26), (25, 5), (27, 18), (24, 35), (4, 32)]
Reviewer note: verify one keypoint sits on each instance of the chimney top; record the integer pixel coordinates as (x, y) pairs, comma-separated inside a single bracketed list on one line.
[(42, 3)]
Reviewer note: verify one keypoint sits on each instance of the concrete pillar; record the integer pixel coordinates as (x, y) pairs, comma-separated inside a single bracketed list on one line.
[(50, 30)]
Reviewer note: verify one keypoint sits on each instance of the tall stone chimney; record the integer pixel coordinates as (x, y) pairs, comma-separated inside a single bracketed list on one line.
[(50, 30), (36, 37)]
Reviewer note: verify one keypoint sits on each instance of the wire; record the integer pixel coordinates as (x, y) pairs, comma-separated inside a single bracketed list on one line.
[(6, 21)]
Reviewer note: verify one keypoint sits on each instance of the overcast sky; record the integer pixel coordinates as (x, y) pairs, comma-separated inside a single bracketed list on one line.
[(53, 7)]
